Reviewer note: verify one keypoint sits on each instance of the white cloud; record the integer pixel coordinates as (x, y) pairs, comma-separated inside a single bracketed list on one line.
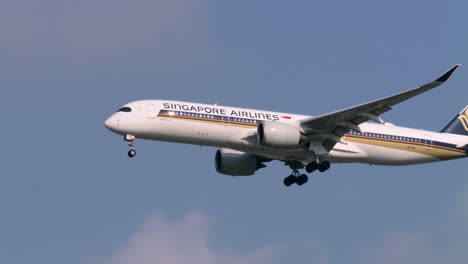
[(189, 240), (186, 241), (402, 249)]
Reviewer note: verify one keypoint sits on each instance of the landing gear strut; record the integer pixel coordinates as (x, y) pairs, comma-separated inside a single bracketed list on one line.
[(131, 143)]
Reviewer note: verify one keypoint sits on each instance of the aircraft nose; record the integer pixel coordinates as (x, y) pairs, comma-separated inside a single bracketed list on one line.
[(110, 123)]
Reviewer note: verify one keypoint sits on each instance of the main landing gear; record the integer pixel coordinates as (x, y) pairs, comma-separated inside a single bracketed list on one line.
[(322, 166), (131, 143), (298, 178)]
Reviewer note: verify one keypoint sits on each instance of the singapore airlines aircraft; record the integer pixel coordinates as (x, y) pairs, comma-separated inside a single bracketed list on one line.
[(248, 138)]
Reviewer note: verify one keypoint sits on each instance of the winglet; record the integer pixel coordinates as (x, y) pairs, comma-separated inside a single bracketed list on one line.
[(449, 73)]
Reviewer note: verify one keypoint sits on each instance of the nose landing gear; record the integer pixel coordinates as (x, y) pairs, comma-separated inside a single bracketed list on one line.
[(131, 143)]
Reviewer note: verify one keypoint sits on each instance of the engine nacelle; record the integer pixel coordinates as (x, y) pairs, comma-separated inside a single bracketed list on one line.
[(278, 135), (236, 163)]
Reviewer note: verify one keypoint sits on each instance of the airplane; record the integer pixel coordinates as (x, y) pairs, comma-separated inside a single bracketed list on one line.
[(248, 138)]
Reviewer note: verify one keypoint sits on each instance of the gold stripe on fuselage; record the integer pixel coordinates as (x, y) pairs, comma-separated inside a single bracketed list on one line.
[(437, 151), (440, 152)]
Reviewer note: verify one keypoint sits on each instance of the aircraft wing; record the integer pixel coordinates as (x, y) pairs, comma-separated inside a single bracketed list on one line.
[(326, 130), (463, 146)]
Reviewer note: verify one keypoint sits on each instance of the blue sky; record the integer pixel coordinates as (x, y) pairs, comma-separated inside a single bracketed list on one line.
[(69, 193)]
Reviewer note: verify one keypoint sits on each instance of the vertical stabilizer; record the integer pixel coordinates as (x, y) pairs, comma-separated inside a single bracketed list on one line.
[(458, 125)]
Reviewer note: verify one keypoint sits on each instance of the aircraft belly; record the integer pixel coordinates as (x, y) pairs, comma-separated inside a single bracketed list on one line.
[(379, 155), (188, 132), (285, 154), (344, 153)]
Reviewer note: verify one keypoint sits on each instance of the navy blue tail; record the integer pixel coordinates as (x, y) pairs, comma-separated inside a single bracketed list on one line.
[(458, 125)]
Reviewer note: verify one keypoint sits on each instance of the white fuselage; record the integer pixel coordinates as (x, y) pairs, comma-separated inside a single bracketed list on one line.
[(236, 128)]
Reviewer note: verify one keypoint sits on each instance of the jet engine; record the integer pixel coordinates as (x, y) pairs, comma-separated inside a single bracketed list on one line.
[(278, 135), (236, 163)]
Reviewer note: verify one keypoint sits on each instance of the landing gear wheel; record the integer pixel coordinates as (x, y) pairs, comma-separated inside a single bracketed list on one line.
[(311, 167), (325, 165), (288, 181), (302, 179), (131, 143), (131, 153)]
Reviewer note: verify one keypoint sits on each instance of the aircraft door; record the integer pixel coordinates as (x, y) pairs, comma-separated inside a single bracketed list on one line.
[(151, 111), (428, 142), (225, 120)]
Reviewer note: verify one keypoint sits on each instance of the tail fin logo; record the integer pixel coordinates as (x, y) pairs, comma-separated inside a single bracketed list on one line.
[(463, 118)]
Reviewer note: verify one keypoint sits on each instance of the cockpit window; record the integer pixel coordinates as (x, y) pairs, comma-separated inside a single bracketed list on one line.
[(124, 109)]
